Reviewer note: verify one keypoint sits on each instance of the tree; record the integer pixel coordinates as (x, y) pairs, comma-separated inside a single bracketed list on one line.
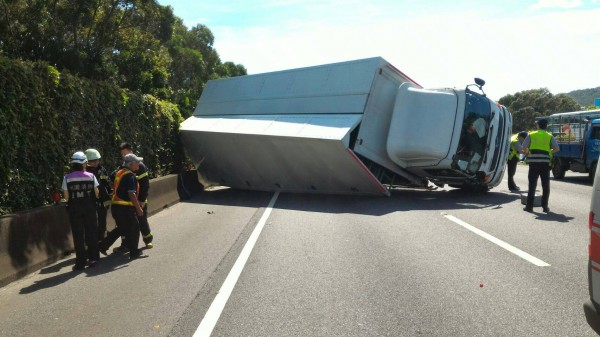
[(230, 69), (135, 44), (529, 104), (195, 61), (97, 39)]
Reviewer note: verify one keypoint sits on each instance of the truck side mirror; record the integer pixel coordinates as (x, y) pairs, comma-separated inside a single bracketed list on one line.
[(479, 83)]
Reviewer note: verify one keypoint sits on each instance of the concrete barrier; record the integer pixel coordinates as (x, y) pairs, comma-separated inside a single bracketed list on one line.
[(34, 239)]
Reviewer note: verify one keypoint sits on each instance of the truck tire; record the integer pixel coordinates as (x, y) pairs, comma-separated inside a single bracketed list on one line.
[(558, 169), (593, 171)]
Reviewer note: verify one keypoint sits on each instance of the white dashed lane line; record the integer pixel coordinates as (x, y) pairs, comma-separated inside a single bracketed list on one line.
[(499, 242), (216, 308)]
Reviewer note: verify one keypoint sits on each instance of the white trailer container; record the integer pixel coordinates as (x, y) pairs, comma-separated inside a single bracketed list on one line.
[(356, 127)]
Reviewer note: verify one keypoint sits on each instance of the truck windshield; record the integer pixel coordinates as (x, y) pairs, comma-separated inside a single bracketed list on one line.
[(474, 133)]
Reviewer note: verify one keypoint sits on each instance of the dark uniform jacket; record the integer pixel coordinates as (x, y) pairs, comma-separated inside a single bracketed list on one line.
[(143, 179), (105, 184)]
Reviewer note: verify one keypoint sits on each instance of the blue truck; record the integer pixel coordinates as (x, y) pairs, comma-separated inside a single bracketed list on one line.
[(578, 135)]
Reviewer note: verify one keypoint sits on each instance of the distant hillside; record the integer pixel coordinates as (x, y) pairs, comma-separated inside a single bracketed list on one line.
[(585, 97)]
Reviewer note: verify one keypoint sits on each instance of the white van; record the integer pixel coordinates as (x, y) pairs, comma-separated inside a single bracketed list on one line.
[(592, 306)]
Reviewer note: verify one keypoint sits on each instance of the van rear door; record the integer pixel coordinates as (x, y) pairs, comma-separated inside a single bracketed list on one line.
[(592, 306)]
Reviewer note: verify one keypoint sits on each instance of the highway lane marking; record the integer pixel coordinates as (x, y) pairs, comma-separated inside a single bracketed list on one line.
[(216, 308), (499, 242)]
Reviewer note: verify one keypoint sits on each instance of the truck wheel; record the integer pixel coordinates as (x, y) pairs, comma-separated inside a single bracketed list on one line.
[(558, 170), (593, 171)]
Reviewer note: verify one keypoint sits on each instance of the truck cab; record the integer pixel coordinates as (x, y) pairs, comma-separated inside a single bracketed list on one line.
[(464, 144)]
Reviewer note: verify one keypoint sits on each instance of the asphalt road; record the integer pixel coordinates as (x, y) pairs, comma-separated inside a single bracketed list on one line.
[(419, 263)]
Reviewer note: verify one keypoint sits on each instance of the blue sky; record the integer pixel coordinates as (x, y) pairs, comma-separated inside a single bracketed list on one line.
[(513, 45)]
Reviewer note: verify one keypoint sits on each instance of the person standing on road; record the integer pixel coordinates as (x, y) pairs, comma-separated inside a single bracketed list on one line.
[(539, 147), (81, 192), (94, 166), (513, 159), (126, 208), (144, 181)]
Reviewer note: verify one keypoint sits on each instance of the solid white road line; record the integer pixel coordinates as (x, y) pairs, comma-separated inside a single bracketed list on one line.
[(216, 308), (499, 242)]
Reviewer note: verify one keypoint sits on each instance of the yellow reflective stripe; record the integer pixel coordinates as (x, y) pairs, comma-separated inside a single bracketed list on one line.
[(143, 175), (122, 202), (513, 150), (107, 203), (147, 236)]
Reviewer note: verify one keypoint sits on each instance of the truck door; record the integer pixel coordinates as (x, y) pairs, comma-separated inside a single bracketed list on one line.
[(583, 141), (592, 147)]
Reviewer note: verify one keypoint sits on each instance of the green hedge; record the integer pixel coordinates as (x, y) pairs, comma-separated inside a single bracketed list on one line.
[(45, 116)]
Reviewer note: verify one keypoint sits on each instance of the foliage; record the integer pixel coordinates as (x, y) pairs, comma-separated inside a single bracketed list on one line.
[(195, 61), (135, 44), (46, 115), (102, 72), (585, 97), (529, 104)]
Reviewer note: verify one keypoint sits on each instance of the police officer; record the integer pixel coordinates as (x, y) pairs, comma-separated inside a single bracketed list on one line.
[(513, 158), (539, 147), (81, 192), (94, 166), (144, 181), (126, 208)]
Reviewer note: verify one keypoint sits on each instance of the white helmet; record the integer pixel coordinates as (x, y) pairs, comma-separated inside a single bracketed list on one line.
[(78, 158), (92, 154)]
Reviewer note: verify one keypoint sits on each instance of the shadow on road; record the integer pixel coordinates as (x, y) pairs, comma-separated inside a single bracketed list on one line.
[(399, 201), (582, 180), (112, 262), (53, 280), (553, 217)]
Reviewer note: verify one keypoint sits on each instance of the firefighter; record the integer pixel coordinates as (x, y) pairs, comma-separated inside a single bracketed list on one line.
[(513, 158), (81, 192), (126, 209), (539, 147), (94, 166)]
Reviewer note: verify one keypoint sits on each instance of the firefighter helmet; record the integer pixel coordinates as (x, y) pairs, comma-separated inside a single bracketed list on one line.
[(92, 154)]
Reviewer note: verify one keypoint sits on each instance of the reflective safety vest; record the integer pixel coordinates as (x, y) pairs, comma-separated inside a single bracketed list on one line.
[(513, 150), (116, 200), (144, 180), (80, 186), (539, 147)]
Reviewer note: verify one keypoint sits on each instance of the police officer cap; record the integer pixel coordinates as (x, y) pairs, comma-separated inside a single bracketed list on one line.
[(523, 134), (78, 158), (132, 158), (542, 123)]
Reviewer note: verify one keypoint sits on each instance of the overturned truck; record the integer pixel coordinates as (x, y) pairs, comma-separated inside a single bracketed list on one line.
[(356, 127)]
